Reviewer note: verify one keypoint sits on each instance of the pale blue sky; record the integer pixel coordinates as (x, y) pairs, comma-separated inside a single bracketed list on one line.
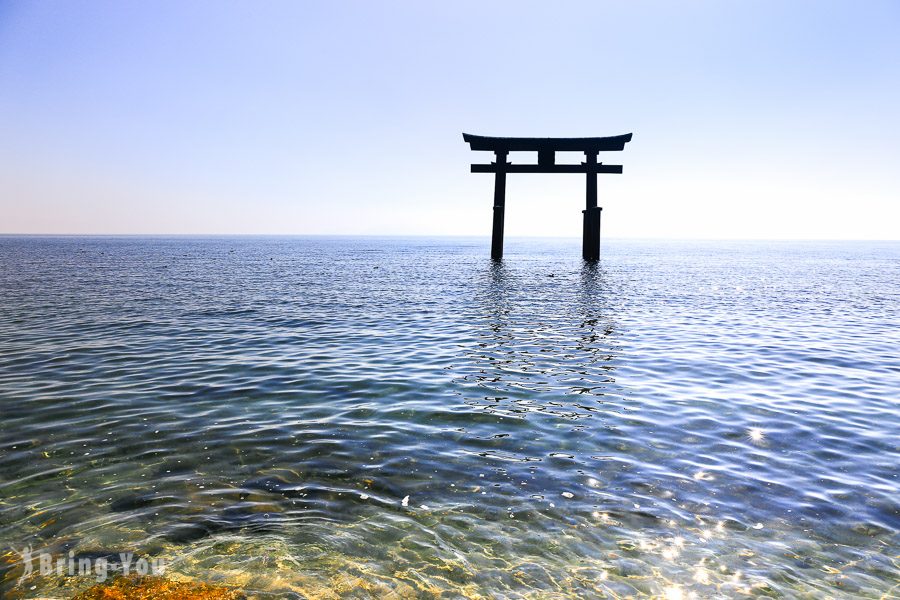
[(750, 119)]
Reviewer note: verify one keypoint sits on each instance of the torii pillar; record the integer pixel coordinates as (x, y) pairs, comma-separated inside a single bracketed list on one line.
[(499, 206)]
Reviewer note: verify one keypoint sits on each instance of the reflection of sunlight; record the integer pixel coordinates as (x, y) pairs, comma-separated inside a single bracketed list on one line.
[(756, 434), (603, 517), (679, 550), (701, 576), (703, 476), (674, 592)]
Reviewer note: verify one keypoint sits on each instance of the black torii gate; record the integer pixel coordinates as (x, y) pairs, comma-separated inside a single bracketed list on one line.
[(547, 149)]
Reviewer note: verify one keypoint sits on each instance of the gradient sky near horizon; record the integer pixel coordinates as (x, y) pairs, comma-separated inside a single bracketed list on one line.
[(763, 119)]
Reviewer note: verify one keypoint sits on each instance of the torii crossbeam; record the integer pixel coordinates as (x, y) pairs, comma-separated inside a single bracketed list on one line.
[(546, 149)]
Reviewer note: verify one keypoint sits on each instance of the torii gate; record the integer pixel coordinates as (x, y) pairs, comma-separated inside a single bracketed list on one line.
[(547, 149)]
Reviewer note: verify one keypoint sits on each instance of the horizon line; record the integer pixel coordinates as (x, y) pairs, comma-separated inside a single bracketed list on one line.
[(448, 236)]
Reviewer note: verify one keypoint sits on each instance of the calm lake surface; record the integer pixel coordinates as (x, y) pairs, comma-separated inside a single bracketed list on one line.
[(336, 417)]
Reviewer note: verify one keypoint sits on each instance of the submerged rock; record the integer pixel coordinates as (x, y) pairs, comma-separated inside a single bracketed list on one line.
[(275, 484), (157, 588), (184, 533), (134, 502)]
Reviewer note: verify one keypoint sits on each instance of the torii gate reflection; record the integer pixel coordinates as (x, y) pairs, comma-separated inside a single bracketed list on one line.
[(546, 149)]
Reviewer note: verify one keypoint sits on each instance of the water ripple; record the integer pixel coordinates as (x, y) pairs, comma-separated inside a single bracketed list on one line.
[(326, 417)]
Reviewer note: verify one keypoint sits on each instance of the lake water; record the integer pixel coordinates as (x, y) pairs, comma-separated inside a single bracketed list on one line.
[(337, 417)]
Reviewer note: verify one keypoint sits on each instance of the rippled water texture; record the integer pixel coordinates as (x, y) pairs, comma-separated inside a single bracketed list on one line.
[(707, 418)]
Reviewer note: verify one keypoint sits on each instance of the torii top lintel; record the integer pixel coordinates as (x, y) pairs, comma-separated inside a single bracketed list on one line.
[(530, 144), (546, 149)]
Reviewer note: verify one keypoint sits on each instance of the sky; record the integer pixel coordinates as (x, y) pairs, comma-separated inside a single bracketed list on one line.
[(751, 120)]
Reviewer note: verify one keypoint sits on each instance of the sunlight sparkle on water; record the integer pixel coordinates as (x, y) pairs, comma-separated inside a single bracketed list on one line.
[(674, 592)]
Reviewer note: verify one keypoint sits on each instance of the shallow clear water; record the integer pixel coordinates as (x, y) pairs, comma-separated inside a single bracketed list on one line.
[(685, 418)]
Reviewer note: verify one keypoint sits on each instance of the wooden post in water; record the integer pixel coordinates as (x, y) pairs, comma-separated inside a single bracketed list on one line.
[(590, 240), (499, 205)]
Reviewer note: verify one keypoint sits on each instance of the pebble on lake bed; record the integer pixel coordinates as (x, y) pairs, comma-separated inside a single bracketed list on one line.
[(567, 495)]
